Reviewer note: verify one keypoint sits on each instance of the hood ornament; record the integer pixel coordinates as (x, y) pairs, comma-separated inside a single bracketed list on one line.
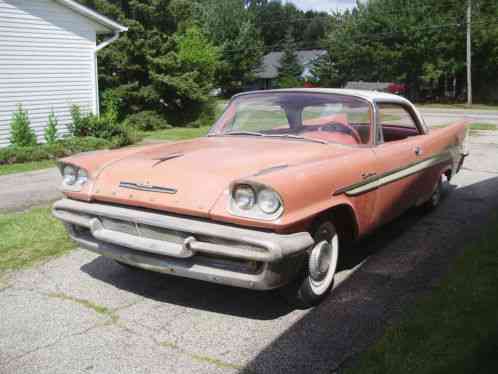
[(166, 158), (147, 187)]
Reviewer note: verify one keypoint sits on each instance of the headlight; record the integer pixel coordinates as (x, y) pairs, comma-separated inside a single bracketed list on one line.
[(69, 173), (82, 177), (268, 201), (244, 197), (256, 201), (73, 177)]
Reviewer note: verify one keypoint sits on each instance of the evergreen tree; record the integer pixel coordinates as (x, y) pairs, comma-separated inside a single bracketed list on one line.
[(50, 133), (290, 70), (325, 72), (21, 134), (143, 67)]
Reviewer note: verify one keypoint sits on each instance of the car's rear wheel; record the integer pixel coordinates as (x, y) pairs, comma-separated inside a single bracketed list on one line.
[(316, 280), (436, 196)]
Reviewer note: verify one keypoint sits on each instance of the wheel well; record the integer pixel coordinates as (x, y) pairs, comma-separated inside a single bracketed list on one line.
[(344, 220), (448, 174)]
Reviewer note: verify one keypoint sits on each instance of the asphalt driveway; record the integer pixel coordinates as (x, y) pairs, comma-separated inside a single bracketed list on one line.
[(85, 314)]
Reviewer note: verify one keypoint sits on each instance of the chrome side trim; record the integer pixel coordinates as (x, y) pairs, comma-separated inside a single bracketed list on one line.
[(393, 175)]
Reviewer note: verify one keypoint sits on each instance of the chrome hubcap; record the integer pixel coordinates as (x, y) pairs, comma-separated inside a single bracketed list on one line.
[(319, 262)]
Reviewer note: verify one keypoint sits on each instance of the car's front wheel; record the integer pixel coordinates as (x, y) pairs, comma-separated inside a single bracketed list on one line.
[(316, 280)]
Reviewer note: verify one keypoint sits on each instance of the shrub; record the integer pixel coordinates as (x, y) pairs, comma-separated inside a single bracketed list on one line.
[(146, 121), (50, 133), (60, 148), (78, 123), (110, 106), (104, 127), (21, 134)]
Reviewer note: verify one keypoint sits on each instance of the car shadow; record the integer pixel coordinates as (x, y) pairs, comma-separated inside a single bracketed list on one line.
[(407, 259)]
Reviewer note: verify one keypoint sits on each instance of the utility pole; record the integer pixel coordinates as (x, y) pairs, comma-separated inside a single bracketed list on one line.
[(469, 53)]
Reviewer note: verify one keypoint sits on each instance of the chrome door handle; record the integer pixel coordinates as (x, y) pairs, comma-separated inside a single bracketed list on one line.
[(418, 151), (368, 175)]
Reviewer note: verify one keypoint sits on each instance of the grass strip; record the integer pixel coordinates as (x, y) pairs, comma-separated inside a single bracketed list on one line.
[(29, 237), (25, 167), (177, 133), (453, 330)]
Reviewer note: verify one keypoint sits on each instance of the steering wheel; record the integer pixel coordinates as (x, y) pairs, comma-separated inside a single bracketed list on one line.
[(342, 128)]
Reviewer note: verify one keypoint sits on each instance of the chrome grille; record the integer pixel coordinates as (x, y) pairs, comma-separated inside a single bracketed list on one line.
[(158, 233), (120, 226), (144, 231)]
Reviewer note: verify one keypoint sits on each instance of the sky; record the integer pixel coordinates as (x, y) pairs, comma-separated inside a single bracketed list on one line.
[(324, 5)]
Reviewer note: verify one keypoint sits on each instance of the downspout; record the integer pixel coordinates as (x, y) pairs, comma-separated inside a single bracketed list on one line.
[(100, 46), (106, 42)]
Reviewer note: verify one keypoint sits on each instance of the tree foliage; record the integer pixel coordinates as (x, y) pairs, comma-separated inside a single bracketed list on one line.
[(421, 44), (274, 19), (162, 63), (232, 28)]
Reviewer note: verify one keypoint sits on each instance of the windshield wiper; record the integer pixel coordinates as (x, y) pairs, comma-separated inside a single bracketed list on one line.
[(298, 138)]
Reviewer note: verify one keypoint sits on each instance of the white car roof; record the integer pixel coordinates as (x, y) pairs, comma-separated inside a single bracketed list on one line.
[(364, 94)]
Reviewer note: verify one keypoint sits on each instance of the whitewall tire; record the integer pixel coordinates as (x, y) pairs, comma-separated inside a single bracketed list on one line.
[(316, 280)]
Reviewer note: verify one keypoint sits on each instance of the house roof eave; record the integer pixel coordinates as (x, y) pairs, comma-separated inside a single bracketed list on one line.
[(93, 15)]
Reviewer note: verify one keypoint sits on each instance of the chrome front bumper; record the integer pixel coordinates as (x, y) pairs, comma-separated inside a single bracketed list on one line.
[(188, 247)]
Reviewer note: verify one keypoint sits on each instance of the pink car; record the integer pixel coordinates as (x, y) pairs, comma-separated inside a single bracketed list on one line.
[(269, 197)]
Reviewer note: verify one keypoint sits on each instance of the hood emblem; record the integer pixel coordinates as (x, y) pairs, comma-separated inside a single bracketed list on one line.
[(147, 187)]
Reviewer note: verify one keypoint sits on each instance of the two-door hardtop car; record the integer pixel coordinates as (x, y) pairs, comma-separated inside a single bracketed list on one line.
[(265, 200)]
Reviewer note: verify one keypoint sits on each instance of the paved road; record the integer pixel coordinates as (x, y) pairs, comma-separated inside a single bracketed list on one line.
[(438, 117), (23, 190), (85, 314)]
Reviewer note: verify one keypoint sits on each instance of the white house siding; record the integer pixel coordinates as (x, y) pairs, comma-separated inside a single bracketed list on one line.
[(46, 62)]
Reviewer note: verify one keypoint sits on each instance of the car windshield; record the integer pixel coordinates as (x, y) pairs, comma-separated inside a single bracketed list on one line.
[(318, 117)]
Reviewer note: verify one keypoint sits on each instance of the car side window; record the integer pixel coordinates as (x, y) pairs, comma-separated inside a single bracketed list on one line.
[(396, 122), (338, 118)]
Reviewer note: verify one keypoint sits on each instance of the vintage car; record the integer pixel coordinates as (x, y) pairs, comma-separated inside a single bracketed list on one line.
[(266, 200)]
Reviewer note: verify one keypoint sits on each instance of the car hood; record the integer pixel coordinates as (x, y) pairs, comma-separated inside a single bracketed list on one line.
[(189, 177)]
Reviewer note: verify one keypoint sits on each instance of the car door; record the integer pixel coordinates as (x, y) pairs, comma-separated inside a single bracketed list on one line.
[(400, 148)]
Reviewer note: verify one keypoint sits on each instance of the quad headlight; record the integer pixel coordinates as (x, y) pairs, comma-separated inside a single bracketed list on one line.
[(73, 178), (244, 197), (268, 201), (69, 175), (255, 201)]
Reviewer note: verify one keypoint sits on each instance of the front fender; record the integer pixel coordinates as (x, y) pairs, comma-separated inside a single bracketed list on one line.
[(309, 190)]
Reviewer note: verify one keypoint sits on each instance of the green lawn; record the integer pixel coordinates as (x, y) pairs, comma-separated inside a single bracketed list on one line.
[(177, 133), (28, 166), (29, 237), (454, 330)]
